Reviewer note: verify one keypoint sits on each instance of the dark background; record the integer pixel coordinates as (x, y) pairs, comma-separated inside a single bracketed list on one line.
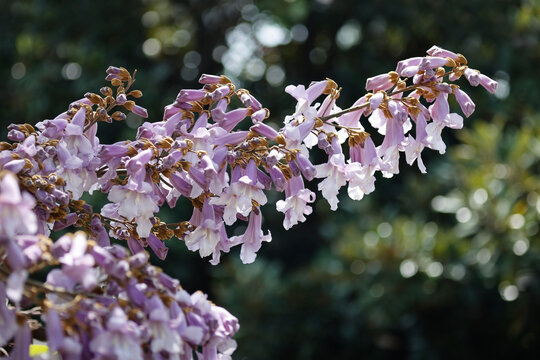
[(437, 266)]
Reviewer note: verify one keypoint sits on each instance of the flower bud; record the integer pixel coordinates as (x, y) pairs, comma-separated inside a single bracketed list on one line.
[(306, 167), (280, 182), (264, 130)]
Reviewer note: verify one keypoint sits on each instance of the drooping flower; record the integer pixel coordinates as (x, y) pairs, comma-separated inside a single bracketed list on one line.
[(295, 205), (414, 147), (161, 327), (77, 263), (239, 197), (16, 215), (8, 326), (440, 112), (120, 338), (207, 235), (333, 173), (252, 239), (138, 205)]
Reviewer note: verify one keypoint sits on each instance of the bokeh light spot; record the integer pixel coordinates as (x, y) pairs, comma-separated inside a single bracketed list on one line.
[(479, 197), (255, 69), (150, 19), (299, 33), (18, 70), (435, 269), (271, 34), (349, 35), (181, 38), (71, 71), (457, 272), (463, 215), (217, 53), (508, 292), (275, 75), (151, 47), (192, 59), (384, 230), (503, 89), (408, 268), (516, 221), (520, 247), (483, 256), (430, 229), (371, 238)]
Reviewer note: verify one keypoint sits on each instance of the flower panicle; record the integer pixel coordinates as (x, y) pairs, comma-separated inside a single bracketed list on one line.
[(201, 151)]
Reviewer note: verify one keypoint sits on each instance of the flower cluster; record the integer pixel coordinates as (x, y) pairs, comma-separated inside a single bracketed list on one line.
[(104, 301), (99, 302)]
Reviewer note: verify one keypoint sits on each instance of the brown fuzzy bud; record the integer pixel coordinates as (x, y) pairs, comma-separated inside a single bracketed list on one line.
[(462, 60), (27, 128), (118, 116), (77, 204), (394, 76), (106, 91), (94, 98), (5, 146), (224, 80), (280, 139), (129, 105), (450, 63), (330, 86), (135, 93), (440, 72), (116, 82)]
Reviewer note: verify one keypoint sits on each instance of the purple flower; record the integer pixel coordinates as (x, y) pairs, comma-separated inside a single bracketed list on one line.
[(121, 99), (361, 180), (77, 264), (306, 167), (440, 112), (264, 130), (190, 95), (207, 235), (333, 173), (140, 206), (464, 101), (414, 147), (16, 215), (100, 232), (408, 63), (473, 76), (15, 135), (8, 326), (68, 347), (376, 100), (380, 82), (139, 110), (249, 101), (488, 83), (120, 339), (252, 238), (211, 79), (15, 285), (157, 246), (437, 51), (22, 343), (239, 196), (295, 205)]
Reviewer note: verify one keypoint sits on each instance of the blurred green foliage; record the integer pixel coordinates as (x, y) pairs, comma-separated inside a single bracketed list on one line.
[(436, 266)]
